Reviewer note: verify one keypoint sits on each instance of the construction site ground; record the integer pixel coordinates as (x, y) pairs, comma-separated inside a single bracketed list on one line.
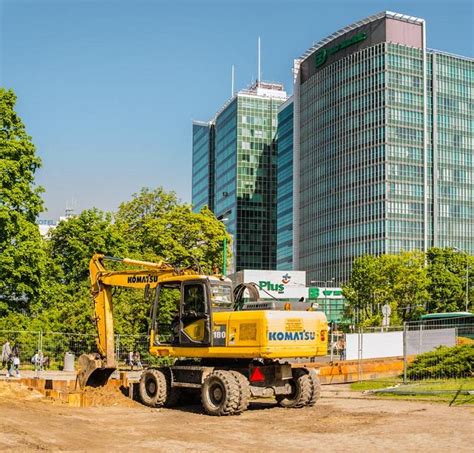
[(342, 420)]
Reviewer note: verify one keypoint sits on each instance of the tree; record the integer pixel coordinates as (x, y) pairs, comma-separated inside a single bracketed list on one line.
[(406, 284), (22, 257), (133, 217), (361, 290), (397, 280), (157, 226), (66, 304), (447, 270), (76, 239)]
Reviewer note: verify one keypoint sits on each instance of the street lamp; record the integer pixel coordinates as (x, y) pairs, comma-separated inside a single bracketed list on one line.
[(325, 282), (458, 250)]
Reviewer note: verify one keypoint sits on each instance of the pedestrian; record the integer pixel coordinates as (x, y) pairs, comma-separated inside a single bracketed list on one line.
[(16, 366), (6, 353), (37, 360), (342, 349), (136, 359), (130, 360), (16, 350)]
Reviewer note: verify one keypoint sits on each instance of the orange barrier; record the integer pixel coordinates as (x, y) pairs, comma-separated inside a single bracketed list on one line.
[(354, 370)]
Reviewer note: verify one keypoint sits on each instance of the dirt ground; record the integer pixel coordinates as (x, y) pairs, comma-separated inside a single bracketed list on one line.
[(340, 421)]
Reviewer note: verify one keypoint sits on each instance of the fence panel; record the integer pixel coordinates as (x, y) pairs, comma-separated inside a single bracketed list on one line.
[(54, 346), (430, 353), (132, 350)]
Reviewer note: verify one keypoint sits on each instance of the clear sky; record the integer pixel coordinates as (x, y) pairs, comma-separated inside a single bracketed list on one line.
[(108, 88)]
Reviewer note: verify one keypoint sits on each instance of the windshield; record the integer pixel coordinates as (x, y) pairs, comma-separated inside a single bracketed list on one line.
[(221, 296)]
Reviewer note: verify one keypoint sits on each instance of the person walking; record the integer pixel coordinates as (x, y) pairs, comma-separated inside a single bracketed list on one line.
[(6, 353), (137, 360), (342, 348), (15, 366), (37, 360)]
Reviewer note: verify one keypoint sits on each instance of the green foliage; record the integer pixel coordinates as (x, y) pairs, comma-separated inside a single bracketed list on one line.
[(397, 280), (75, 240), (412, 283), (447, 271), (444, 362), (158, 227), (22, 256), (133, 217)]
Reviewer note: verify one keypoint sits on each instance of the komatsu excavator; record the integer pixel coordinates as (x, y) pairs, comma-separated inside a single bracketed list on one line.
[(226, 351)]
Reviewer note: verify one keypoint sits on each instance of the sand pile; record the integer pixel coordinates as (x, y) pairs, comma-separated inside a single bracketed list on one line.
[(14, 390), (107, 396)]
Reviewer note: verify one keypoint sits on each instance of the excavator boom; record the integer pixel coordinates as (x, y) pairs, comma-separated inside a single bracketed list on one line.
[(95, 369)]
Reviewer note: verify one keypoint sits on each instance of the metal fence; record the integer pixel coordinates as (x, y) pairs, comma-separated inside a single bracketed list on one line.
[(429, 350), (54, 345), (439, 349)]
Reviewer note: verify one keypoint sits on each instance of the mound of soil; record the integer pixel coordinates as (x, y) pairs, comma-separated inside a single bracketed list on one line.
[(11, 390), (107, 396)]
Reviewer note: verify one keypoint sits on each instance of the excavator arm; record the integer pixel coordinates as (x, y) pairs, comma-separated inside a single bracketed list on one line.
[(95, 369)]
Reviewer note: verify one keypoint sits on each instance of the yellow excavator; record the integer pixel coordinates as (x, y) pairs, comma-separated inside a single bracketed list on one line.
[(226, 350)]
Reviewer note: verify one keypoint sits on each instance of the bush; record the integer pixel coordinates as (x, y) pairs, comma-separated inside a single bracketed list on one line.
[(443, 362)]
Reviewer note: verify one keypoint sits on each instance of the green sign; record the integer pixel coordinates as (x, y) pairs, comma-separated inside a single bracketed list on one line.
[(270, 286), (316, 293), (322, 55)]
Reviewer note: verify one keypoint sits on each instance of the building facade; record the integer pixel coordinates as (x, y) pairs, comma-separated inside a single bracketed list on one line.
[(203, 165), (284, 259), (234, 172), (383, 147)]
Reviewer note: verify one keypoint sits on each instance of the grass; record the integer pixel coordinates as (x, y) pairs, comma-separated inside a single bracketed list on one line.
[(441, 391), (376, 384)]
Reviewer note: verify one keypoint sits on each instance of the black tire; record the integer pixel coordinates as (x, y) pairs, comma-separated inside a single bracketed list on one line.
[(244, 386), (173, 394), (153, 388), (315, 387), (220, 393), (302, 391)]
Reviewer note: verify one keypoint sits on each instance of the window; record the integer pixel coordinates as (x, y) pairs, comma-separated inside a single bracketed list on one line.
[(194, 299)]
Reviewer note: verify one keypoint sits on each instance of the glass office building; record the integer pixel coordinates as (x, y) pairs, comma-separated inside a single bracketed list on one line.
[(237, 176), (383, 148), (203, 165), (284, 251)]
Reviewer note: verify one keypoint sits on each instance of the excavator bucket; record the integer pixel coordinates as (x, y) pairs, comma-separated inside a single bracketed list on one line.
[(92, 371)]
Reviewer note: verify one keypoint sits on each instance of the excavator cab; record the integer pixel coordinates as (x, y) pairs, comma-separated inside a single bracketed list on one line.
[(194, 297), (195, 301)]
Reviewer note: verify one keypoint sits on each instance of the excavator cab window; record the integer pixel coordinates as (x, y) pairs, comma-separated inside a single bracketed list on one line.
[(166, 313), (194, 300), (195, 318), (181, 314)]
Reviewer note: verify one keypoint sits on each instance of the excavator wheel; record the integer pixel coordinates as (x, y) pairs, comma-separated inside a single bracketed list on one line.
[(316, 387), (153, 388), (173, 394), (221, 393), (302, 391), (244, 391)]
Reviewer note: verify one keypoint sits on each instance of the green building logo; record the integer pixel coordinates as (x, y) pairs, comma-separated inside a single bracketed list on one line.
[(321, 56)]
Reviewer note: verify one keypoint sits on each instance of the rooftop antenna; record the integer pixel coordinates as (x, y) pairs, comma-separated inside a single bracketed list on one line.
[(233, 80), (258, 61)]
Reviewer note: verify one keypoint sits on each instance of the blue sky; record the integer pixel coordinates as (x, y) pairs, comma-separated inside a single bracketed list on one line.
[(108, 88)]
